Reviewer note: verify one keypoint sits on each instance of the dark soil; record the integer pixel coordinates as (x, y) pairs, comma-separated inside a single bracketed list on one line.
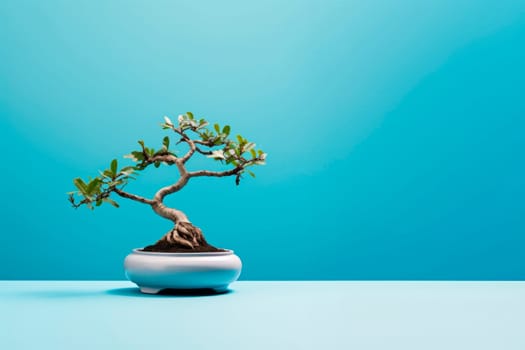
[(165, 247)]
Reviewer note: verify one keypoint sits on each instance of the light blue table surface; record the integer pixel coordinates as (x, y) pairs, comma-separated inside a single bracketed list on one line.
[(264, 315)]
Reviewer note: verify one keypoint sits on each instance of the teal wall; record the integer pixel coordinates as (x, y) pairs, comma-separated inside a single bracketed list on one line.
[(395, 133)]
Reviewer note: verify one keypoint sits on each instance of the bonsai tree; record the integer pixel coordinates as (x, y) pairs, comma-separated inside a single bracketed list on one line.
[(239, 154)]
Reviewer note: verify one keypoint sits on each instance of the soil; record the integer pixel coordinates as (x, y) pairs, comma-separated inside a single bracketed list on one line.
[(166, 247)]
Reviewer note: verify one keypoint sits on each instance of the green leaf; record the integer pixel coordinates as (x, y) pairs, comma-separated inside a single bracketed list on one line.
[(166, 142), (249, 146), (114, 165), (202, 125), (168, 120), (193, 124), (190, 115), (217, 128), (81, 185), (254, 153), (126, 168), (251, 173), (241, 140), (160, 151), (141, 143), (111, 201), (226, 130), (115, 183), (93, 186), (157, 164), (138, 155)]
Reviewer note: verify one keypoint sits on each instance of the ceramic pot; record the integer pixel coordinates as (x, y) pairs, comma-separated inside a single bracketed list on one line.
[(153, 271)]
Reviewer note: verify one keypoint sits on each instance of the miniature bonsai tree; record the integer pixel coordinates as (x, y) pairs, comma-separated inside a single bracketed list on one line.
[(239, 154)]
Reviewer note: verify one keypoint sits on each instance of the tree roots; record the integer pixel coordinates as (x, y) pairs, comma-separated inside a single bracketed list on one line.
[(186, 235)]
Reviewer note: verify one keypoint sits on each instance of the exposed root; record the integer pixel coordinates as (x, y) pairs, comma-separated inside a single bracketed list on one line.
[(173, 237), (191, 233), (186, 235)]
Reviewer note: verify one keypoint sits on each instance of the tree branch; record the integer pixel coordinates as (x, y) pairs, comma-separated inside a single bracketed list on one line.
[(166, 158), (134, 197), (192, 150), (206, 153), (204, 143), (190, 142), (230, 172), (75, 204)]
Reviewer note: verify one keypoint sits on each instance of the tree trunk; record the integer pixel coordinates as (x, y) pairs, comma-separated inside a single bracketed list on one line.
[(183, 237)]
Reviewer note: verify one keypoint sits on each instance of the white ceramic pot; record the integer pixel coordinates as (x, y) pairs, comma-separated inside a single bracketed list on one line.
[(153, 271)]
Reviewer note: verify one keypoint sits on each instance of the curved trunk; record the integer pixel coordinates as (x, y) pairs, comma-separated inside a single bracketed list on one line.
[(169, 213), (184, 234)]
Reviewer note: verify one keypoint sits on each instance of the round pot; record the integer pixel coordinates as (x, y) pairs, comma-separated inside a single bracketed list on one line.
[(153, 271)]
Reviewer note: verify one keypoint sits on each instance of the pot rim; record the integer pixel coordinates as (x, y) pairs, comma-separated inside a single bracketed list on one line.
[(193, 254)]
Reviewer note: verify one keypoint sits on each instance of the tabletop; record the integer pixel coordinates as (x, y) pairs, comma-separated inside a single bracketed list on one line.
[(264, 315)]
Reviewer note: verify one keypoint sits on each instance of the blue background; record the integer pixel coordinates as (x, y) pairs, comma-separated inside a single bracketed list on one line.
[(395, 133)]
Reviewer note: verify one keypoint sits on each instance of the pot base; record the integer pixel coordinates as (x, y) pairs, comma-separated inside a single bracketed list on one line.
[(148, 290), (216, 290)]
